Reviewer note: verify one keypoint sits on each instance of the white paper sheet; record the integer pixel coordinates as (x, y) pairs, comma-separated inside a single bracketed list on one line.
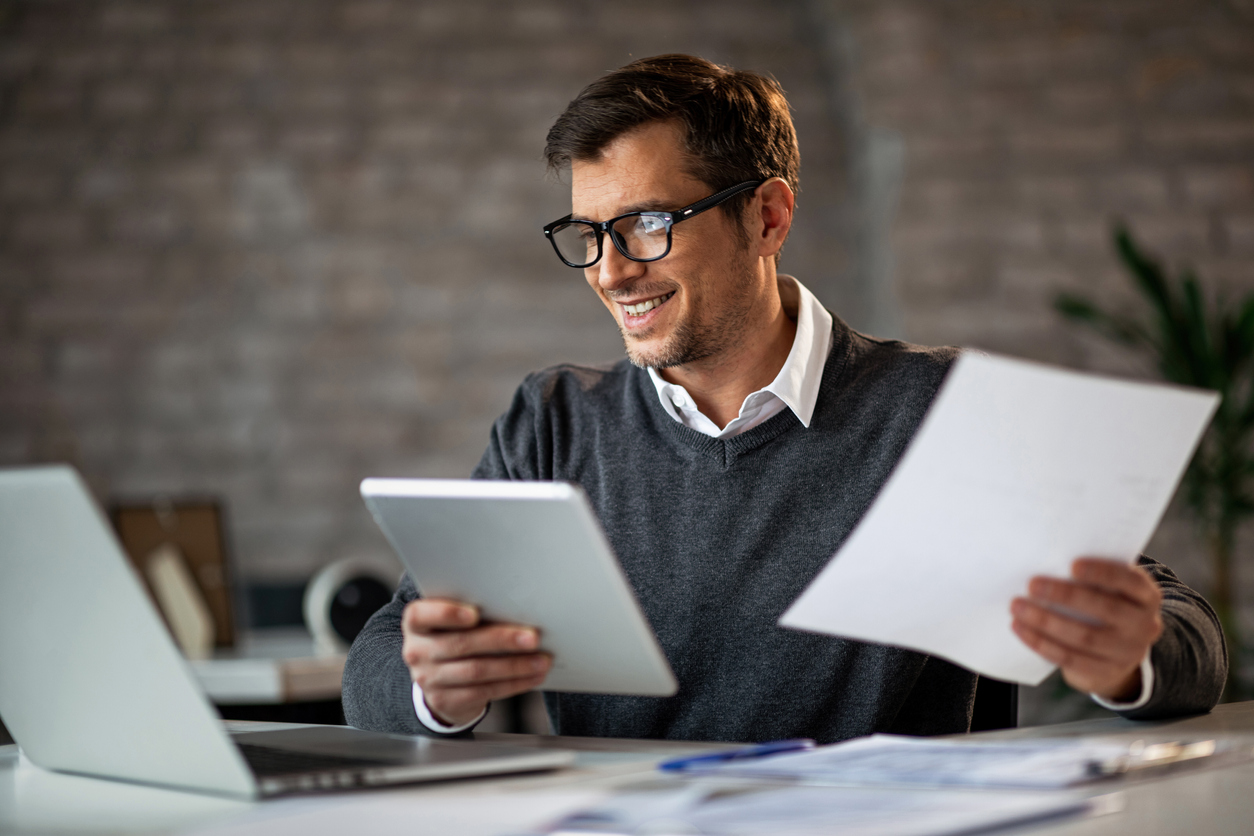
[(893, 760), (747, 809), (1016, 470)]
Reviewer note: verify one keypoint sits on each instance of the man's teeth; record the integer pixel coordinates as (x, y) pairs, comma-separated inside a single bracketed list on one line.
[(647, 305)]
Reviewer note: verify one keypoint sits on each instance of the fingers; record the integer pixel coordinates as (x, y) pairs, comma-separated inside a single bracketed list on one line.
[(1106, 592), (482, 641), (1101, 606), (1056, 652), (482, 670), (461, 663), (493, 640), (1083, 671), (1133, 582), (445, 630), (430, 614), (1100, 640), (1096, 626)]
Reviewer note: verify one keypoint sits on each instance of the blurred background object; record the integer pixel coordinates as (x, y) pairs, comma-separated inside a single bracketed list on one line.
[(261, 249), (340, 599), (274, 674), (175, 545)]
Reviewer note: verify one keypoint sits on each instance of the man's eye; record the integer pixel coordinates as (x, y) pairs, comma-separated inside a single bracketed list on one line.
[(650, 224)]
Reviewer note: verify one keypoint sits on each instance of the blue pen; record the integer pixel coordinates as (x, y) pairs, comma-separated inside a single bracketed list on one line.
[(758, 750)]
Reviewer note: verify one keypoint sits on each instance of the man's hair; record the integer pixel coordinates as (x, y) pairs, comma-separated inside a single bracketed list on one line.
[(736, 124)]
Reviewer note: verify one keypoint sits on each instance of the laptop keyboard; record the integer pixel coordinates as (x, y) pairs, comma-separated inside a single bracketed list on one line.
[(267, 760)]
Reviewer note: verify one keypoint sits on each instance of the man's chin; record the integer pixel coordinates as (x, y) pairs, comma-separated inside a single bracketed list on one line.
[(682, 345), (645, 356), (643, 360), (665, 356)]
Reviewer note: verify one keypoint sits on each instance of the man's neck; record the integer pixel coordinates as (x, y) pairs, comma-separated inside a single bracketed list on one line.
[(719, 385)]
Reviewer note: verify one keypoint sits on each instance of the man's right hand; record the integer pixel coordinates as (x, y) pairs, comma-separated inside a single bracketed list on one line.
[(462, 665)]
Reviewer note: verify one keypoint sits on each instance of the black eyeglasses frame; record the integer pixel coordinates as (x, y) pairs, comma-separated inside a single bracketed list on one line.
[(667, 218)]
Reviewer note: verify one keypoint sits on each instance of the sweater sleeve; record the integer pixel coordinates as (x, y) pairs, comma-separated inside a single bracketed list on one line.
[(377, 691), (1190, 659)]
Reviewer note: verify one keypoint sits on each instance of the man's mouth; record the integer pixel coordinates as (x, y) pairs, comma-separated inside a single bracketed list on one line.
[(642, 308)]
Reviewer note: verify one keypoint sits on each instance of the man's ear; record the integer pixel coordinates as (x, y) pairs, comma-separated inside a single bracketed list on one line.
[(775, 202)]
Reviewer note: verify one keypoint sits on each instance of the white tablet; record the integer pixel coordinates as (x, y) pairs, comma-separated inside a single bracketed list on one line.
[(527, 553)]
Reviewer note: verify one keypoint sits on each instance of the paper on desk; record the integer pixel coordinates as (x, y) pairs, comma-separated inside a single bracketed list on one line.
[(894, 760), (1016, 470), (742, 809)]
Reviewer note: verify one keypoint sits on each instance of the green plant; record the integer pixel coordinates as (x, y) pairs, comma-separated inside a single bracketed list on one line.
[(1211, 349)]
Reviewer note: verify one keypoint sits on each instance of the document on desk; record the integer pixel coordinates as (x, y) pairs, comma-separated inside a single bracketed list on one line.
[(1017, 469), (883, 760), (745, 809)]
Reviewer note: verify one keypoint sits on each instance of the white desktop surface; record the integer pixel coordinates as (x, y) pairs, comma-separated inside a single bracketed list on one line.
[(35, 801), (1199, 803)]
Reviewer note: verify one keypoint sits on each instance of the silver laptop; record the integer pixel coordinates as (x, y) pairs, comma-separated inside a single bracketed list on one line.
[(92, 683)]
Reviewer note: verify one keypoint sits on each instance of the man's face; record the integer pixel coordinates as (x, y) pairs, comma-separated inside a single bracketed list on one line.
[(699, 296)]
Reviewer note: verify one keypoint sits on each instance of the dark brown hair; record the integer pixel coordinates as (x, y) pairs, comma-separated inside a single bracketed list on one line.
[(736, 124)]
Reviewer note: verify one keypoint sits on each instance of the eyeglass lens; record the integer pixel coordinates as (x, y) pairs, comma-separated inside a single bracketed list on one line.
[(639, 236)]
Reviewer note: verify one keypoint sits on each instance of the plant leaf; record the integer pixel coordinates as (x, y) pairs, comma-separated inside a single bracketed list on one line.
[(1202, 367), (1121, 329), (1146, 273), (1173, 343)]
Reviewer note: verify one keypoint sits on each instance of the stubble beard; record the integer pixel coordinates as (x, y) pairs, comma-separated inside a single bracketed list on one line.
[(692, 342), (685, 345)]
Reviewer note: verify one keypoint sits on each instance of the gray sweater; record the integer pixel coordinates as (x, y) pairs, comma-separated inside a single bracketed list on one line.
[(719, 537)]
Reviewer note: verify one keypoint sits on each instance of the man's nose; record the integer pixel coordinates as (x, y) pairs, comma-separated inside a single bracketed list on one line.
[(616, 270)]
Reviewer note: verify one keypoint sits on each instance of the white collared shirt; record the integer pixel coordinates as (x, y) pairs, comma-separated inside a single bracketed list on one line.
[(796, 387)]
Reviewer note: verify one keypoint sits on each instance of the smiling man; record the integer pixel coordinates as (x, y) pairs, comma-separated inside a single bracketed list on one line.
[(730, 455), (698, 303)]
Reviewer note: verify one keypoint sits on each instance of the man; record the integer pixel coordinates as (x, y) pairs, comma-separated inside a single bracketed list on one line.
[(731, 456)]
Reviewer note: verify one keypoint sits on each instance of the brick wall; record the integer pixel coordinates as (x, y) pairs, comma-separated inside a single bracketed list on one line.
[(1029, 128), (264, 248), (267, 248)]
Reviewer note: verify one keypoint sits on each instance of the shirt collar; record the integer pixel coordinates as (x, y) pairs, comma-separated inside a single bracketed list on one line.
[(797, 383)]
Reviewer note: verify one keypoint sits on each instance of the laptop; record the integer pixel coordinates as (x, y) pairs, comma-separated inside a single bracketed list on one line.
[(92, 683)]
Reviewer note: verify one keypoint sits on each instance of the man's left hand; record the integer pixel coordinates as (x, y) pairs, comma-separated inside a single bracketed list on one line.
[(1116, 620)]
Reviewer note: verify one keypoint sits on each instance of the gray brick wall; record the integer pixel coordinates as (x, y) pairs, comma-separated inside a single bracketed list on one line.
[(1029, 128), (264, 249)]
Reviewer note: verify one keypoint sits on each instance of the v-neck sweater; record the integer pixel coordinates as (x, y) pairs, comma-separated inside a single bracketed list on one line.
[(717, 538)]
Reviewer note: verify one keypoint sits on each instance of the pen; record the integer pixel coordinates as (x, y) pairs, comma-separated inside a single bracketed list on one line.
[(758, 750)]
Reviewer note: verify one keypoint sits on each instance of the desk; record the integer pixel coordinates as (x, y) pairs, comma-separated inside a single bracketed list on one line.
[(1200, 803)]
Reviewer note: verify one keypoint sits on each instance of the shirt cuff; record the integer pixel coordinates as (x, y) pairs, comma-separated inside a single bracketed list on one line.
[(1147, 689), (428, 719)]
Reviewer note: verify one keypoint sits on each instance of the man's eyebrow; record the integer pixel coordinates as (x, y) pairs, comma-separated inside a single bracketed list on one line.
[(648, 206)]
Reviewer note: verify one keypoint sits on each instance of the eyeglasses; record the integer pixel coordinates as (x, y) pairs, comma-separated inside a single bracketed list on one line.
[(640, 236)]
